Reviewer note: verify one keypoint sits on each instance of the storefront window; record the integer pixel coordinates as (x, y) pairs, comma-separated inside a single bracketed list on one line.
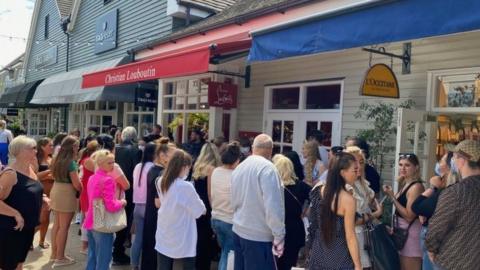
[(37, 124), (285, 98), (454, 90), (142, 118), (323, 97)]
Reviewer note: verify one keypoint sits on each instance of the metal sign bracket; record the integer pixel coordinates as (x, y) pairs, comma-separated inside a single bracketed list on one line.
[(405, 57)]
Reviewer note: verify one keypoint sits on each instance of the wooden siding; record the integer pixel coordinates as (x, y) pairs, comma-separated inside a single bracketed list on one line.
[(454, 51), (135, 21)]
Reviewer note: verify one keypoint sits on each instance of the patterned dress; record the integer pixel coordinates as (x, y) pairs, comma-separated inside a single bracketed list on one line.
[(323, 256)]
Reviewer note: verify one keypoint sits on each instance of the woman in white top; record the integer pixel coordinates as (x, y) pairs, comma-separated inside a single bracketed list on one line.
[(139, 199), (364, 197), (180, 206), (5, 138), (220, 198), (313, 167)]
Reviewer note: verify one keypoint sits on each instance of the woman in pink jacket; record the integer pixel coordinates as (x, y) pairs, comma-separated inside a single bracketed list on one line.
[(101, 186)]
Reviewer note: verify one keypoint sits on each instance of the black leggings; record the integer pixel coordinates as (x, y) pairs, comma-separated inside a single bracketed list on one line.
[(166, 263)]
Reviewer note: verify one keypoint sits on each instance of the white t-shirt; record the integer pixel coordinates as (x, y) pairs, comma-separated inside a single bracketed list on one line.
[(221, 192), (6, 136), (176, 235)]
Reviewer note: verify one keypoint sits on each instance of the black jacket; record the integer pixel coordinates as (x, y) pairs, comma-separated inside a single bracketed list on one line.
[(127, 156)]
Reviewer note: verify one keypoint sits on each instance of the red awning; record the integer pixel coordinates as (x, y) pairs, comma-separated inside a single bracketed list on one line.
[(176, 64)]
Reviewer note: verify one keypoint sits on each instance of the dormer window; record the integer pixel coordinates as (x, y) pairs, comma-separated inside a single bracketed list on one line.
[(46, 25)]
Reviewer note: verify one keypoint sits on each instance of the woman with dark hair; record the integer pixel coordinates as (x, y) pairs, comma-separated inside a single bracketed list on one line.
[(297, 164), (57, 141), (44, 175), (410, 187), (139, 199), (220, 198), (332, 242), (162, 156), (180, 206), (63, 197), (87, 169)]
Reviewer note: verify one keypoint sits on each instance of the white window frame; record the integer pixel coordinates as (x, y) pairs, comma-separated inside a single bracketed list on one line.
[(129, 109), (30, 113), (432, 90), (302, 97)]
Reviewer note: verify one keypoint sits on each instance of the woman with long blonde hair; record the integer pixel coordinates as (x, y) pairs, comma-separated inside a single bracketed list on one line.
[(296, 193), (364, 197), (206, 162), (63, 197), (313, 167)]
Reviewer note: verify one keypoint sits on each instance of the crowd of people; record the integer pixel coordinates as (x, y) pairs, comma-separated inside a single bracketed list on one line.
[(232, 201)]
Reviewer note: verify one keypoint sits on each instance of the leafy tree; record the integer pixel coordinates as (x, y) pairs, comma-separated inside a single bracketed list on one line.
[(380, 116)]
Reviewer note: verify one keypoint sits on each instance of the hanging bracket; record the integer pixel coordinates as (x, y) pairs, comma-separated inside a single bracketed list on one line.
[(405, 57)]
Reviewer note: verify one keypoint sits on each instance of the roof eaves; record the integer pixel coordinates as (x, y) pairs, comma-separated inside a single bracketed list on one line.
[(280, 7)]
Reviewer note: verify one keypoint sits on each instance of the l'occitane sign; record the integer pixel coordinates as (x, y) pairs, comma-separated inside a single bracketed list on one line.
[(380, 81)]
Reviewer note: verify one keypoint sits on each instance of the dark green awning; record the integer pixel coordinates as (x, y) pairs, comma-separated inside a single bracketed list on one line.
[(19, 96)]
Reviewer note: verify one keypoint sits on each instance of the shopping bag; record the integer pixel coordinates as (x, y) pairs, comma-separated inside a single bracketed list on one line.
[(381, 248)]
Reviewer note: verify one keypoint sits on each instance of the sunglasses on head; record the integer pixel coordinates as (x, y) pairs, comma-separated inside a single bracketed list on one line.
[(407, 155), (336, 149)]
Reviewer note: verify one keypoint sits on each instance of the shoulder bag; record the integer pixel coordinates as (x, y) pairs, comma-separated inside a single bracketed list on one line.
[(105, 221)]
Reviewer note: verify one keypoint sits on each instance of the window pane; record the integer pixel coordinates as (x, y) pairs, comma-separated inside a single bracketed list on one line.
[(287, 149), (311, 126), (288, 131), (276, 130), (326, 127), (276, 149), (323, 97), (285, 98)]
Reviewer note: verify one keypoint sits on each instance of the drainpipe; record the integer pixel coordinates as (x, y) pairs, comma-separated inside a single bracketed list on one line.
[(64, 24)]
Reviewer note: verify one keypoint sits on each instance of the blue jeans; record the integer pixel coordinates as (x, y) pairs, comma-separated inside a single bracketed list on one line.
[(427, 264), (100, 247), (224, 234), (138, 221), (252, 255)]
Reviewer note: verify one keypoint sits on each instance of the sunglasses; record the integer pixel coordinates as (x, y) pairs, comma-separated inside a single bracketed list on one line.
[(407, 155), (336, 149)]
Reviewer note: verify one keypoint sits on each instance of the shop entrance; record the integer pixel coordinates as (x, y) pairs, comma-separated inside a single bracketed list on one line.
[(101, 120)]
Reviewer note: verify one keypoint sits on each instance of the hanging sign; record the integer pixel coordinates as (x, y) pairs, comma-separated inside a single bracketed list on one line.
[(222, 95), (146, 97), (106, 31), (380, 81)]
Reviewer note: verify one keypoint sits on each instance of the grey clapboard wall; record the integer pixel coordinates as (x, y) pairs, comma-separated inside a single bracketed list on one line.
[(136, 20)]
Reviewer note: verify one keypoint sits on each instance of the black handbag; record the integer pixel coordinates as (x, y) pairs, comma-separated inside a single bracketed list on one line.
[(381, 249), (400, 235)]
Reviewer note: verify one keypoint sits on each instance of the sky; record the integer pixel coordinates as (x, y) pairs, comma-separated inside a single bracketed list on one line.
[(15, 19)]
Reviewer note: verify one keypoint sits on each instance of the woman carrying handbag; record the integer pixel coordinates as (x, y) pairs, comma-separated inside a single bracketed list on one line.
[(406, 226), (104, 215)]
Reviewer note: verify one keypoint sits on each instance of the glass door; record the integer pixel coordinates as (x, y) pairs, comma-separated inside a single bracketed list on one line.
[(101, 121), (329, 123), (416, 133), (282, 128)]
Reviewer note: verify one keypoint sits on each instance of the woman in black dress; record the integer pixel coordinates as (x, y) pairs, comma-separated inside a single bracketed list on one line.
[(295, 194), (20, 204), (208, 160), (332, 242), (162, 156)]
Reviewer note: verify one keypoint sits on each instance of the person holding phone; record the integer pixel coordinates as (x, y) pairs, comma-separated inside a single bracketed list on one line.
[(411, 187)]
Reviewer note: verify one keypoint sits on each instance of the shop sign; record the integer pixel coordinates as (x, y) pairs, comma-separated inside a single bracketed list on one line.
[(106, 32), (380, 81), (222, 95), (12, 112), (47, 58), (146, 97)]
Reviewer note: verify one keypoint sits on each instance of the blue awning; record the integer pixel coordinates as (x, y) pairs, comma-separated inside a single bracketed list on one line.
[(393, 21)]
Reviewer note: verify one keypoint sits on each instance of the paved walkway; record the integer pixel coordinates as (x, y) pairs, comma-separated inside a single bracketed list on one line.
[(38, 258)]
